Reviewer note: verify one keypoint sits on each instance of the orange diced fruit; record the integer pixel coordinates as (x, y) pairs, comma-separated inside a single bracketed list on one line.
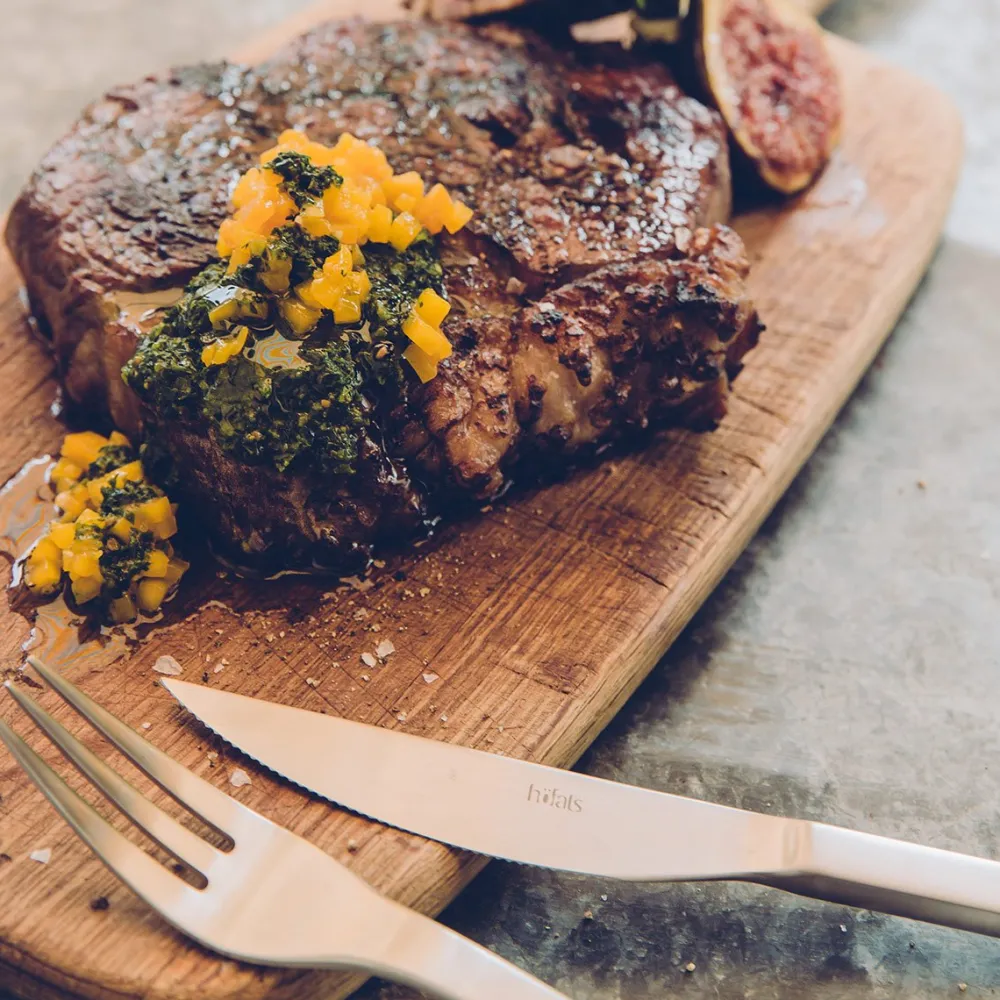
[(62, 534), (458, 217), (122, 609), (434, 208), (43, 577), (299, 317), (404, 230), (406, 203), (425, 367), (86, 589), (431, 308), (151, 593), (315, 225), (379, 223), (428, 338), (46, 550), (157, 564), (359, 284), (81, 449), (175, 570), (340, 264), (410, 183), (347, 310)]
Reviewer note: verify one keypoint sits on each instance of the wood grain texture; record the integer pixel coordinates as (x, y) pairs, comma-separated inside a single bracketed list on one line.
[(533, 622)]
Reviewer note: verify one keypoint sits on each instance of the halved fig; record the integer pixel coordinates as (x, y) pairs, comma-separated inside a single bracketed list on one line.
[(767, 68)]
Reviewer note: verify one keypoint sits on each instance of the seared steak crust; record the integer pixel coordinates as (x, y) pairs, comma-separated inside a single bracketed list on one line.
[(588, 298)]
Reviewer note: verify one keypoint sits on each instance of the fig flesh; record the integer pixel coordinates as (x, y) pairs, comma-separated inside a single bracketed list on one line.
[(768, 71)]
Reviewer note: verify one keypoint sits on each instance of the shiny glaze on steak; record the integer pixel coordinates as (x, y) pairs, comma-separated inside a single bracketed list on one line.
[(590, 299)]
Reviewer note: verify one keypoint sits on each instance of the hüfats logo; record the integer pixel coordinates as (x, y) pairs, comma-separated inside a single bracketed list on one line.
[(555, 799)]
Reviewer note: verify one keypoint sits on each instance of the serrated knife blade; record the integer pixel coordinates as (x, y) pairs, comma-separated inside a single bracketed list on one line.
[(539, 815)]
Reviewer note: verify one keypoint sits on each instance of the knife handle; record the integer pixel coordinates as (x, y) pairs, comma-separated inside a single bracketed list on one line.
[(892, 876), (427, 955)]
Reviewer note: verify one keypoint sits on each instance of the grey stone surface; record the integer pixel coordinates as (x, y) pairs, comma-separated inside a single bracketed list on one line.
[(848, 669)]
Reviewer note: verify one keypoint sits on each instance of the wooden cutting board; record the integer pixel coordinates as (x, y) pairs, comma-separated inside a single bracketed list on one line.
[(522, 631)]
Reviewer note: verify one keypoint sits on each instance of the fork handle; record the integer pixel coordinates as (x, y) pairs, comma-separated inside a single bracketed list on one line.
[(430, 957)]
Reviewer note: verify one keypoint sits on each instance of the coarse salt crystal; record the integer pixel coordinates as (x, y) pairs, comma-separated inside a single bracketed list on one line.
[(239, 778), (385, 649), (430, 677), (146, 725), (42, 855), (312, 682), (368, 660), (167, 665)]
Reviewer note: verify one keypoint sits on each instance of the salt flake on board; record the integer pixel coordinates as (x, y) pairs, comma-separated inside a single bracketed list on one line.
[(168, 666)]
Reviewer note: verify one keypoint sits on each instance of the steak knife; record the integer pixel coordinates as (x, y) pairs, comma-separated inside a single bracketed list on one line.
[(539, 815)]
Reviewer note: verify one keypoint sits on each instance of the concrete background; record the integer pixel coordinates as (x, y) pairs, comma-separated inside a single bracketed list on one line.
[(848, 669)]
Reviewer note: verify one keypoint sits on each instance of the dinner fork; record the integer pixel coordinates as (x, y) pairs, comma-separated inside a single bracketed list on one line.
[(265, 895)]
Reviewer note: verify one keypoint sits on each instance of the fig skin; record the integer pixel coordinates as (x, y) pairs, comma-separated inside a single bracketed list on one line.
[(767, 69)]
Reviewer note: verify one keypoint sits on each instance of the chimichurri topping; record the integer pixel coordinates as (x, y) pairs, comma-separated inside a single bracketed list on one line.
[(327, 298)]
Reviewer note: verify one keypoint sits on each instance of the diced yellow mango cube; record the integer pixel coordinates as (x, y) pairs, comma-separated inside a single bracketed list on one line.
[(117, 438), (176, 569), (151, 593), (43, 577), (410, 183), (300, 318), (81, 449), (157, 564), (369, 161), (425, 367), (428, 338), (328, 290), (406, 202), (347, 310), (458, 216), (339, 264), (122, 529), (72, 502), (62, 534), (404, 230), (156, 516), (314, 223), (65, 471), (223, 313), (347, 232), (123, 609), (218, 352), (86, 588), (434, 208), (379, 223), (45, 550), (359, 284), (89, 516), (431, 308), (85, 564), (305, 293)]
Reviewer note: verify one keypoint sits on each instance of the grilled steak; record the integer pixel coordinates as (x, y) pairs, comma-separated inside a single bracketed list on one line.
[(594, 292)]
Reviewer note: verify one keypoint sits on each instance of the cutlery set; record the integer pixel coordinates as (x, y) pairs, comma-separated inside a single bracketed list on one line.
[(257, 892)]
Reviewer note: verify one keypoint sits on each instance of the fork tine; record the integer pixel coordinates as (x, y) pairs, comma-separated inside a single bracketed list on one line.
[(141, 873), (177, 840), (212, 806)]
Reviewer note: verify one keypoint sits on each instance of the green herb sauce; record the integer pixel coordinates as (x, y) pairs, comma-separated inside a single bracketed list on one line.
[(301, 178), (311, 415)]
